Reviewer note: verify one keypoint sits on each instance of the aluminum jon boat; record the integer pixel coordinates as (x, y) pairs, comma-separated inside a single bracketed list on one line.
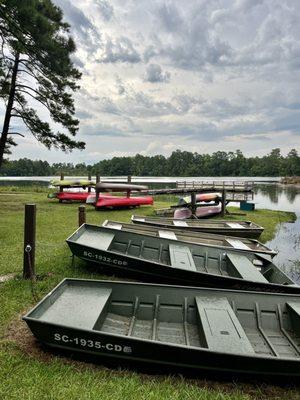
[(171, 261), (202, 238), (213, 330), (220, 227)]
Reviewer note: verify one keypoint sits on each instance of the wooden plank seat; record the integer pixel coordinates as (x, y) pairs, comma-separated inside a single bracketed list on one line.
[(181, 257), (242, 267), (219, 328)]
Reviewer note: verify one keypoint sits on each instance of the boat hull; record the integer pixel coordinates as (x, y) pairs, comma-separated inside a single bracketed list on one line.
[(201, 212), (225, 242), (98, 339), (122, 202), (73, 196), (90, 250), (205, 226)]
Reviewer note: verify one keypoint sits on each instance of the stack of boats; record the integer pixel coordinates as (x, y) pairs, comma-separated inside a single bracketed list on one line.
[(235, 312), (90, 192), (207, 205)]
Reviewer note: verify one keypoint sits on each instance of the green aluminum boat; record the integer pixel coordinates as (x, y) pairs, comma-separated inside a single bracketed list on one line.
[(246, 229), (213, 330), (171, 261), (202, 238)]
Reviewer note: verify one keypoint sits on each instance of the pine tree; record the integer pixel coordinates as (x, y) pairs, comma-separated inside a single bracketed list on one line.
[(35, 67)]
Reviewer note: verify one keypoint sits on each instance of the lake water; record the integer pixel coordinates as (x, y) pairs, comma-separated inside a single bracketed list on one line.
[(268, 194), (287, 238)]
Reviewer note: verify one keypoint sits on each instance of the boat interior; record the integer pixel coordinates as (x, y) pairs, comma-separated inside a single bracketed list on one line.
[(181, 255), (194, 237), (251, 324), (189, 223)]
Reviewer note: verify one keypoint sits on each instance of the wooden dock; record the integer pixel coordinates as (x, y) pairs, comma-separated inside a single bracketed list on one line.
[(237, 196), (234, 186)]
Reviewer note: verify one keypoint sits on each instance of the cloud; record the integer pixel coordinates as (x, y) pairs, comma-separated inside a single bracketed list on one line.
[(106, 9), (170, 17), (154, 74), (81, 26), (119, 50)]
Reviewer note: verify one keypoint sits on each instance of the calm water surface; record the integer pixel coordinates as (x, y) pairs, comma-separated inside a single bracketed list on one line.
[(287, 238)]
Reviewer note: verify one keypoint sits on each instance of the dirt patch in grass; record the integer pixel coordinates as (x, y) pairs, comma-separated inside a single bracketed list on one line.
[(19, 334), (7, 277)]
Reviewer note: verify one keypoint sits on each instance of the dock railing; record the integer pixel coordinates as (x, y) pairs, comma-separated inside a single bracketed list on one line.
[(235, 186)]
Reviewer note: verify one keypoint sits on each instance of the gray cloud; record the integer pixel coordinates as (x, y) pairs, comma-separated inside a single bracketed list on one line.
[(81, 114), (119, 50), (81, 26), (169, 17), (154, 74), (106, 9)]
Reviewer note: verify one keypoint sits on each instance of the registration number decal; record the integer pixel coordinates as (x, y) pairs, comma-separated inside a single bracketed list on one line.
[(105, 259), (92, 344)]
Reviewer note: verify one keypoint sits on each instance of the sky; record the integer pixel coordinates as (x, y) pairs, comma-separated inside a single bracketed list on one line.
[(193, 75)]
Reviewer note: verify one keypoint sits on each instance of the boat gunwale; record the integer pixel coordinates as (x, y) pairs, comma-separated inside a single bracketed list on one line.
[(65, 281)]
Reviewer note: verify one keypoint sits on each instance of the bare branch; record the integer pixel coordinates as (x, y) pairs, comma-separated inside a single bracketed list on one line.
[(16, 133)]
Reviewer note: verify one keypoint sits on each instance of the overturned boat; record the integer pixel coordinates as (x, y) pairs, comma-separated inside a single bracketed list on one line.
[(212, 330), (220, 227), (202, 238), (166, 260), (112, 202)]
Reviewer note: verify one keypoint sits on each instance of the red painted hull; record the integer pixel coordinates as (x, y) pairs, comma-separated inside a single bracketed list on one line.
[(123, 202), (73, 196)]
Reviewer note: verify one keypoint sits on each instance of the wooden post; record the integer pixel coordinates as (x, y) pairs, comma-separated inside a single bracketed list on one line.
[(129, 179), (193, 201), (81, 215), (89, 178), (62, 177), (29, 242), (223, 209), (97, 178)]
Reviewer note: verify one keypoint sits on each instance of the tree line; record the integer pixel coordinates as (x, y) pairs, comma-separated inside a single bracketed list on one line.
[(179, 163)]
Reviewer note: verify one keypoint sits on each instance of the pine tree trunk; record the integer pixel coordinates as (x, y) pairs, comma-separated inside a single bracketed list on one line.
[(9, 107)]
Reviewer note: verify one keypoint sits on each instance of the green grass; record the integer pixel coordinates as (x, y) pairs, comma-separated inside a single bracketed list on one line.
[(26, 372)]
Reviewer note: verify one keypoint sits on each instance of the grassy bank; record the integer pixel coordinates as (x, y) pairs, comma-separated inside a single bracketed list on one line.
[(27, 372)]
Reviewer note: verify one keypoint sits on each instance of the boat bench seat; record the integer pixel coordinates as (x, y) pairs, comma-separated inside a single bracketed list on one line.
[(294, 311), (78, 308), (181, 257), (242, 266), (219, 327), (101, 240)]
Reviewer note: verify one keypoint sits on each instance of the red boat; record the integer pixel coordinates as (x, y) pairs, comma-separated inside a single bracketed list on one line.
[(72, 196), (122, 202), (109, 201)]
